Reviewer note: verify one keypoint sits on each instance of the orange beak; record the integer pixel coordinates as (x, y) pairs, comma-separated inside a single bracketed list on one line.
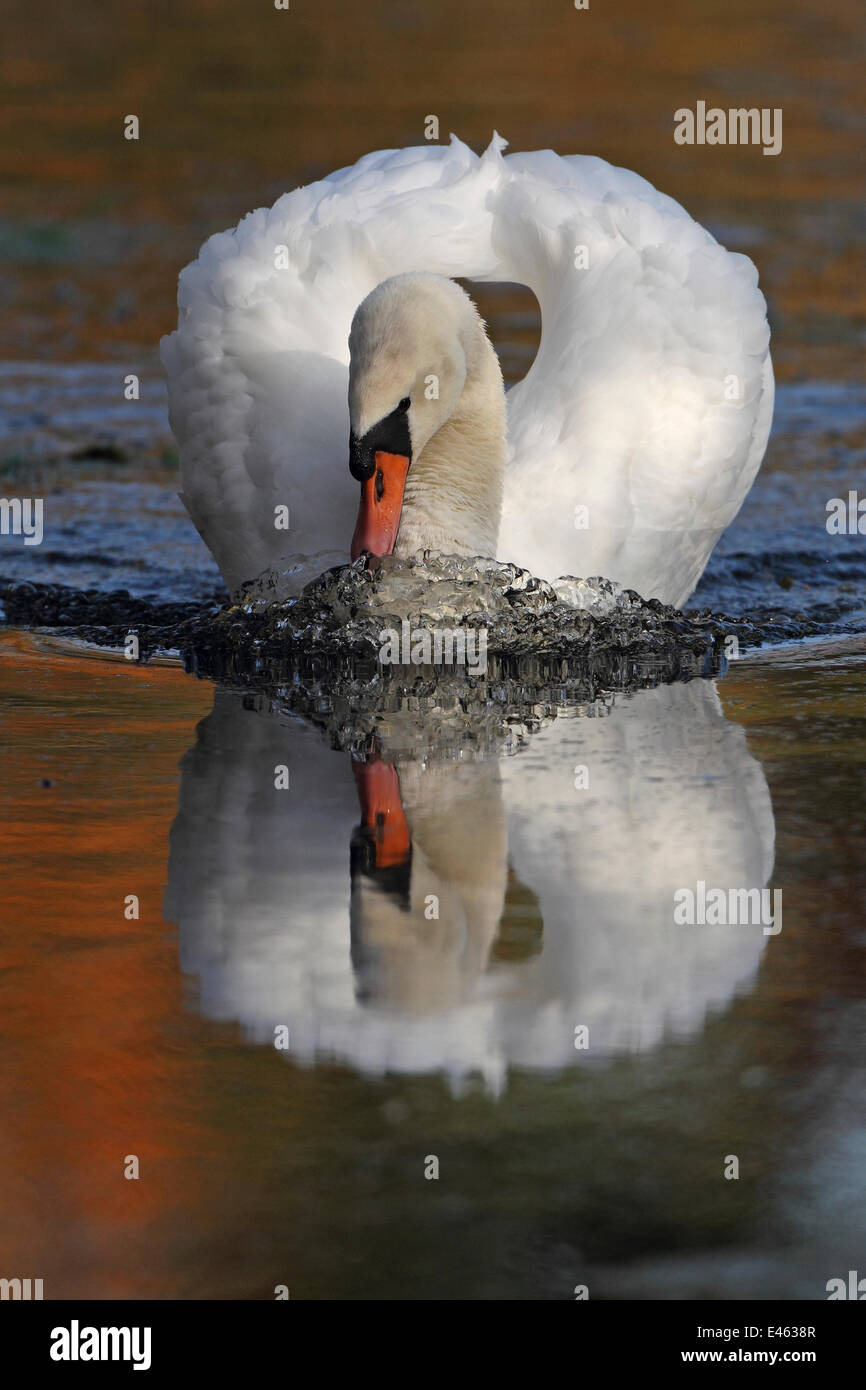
[(381, 504), (382, 812)]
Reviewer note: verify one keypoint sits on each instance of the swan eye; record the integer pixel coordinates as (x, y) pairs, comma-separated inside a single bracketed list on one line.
[(404, 404)]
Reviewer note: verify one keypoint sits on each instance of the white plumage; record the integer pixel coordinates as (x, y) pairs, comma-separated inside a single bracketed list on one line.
[(648, 405)]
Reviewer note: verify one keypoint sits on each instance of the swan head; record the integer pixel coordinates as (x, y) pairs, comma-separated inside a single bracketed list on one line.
[(418, 356)]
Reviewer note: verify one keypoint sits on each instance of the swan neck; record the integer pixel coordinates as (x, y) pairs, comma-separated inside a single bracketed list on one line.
[(453, 497)]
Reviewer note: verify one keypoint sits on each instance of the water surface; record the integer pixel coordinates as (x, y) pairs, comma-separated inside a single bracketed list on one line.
[(412, 1037)]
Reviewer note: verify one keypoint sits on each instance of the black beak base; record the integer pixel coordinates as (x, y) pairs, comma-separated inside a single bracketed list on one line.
[(390, 435)]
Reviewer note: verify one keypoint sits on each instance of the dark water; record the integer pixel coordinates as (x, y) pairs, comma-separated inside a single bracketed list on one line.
[(778, 554)]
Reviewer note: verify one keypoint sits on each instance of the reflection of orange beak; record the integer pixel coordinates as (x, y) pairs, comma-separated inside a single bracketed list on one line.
[(381, 504), (382, 812)]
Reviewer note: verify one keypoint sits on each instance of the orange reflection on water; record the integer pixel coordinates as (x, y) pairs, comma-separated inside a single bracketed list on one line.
[(94, 1065)]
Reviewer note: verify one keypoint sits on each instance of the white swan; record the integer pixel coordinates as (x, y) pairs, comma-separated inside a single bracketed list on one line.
[(631, 442)]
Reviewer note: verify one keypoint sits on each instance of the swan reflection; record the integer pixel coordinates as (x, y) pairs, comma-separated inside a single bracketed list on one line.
[(465, 913)]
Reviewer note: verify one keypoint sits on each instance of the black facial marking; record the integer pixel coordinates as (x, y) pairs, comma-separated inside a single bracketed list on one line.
[(390, 436)]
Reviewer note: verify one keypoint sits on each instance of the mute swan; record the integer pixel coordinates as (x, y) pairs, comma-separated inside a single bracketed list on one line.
[(629, 446)]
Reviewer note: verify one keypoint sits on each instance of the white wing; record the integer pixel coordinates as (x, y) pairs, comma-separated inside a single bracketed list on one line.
[(650, 400), (258, 366)]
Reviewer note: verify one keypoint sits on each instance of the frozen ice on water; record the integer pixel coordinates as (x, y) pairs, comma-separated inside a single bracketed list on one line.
[(327, 639), (603, 597), (437, 586), (522, 615)]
